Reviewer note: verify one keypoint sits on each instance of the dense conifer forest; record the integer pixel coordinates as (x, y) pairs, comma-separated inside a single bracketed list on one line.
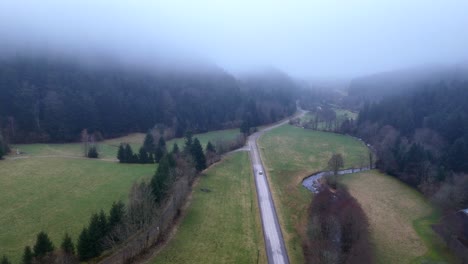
[(53, 99), (421, 136)]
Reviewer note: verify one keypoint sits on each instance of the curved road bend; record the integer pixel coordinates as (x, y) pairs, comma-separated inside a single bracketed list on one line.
[(274, 242)]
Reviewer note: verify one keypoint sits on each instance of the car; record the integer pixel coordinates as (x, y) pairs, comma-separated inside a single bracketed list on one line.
[(260, 172)]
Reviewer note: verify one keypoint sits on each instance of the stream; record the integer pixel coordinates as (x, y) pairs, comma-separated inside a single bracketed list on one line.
[(312, 181)]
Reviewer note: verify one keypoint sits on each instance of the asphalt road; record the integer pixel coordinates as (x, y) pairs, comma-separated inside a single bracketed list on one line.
[(274, 242)]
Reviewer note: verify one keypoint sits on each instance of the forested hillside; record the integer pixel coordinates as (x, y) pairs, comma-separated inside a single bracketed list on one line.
[(53, 100), (378, 86), (422, 138)]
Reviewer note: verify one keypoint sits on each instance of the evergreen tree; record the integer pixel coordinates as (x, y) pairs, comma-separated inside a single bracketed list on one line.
[(188, 142), (67, 245), (103, 224), (160, 150), (5, 260), (93, 153), (175, 149), (162, 144), (161, 180), (84, 246), (158, 155), (198, 155), (128, 153), (148, 143), (43, 245), (95, 234), (27, 255), (210, 147), (116, 213), (245, 127), (151, 158), (121, 154), (135, 158), (143, 156)]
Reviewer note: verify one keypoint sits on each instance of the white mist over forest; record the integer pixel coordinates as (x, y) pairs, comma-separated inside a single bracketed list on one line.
[(303, 38)]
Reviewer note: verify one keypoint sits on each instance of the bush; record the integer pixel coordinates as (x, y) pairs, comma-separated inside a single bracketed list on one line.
[(93, 153)]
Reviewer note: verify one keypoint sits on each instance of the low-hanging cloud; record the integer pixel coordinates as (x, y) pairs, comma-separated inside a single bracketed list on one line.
[(305, 38)]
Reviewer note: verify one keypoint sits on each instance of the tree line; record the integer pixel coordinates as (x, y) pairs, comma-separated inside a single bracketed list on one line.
[(421, 137), (54, 99)]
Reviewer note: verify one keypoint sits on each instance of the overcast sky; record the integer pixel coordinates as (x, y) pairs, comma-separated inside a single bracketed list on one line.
[(305, 38)]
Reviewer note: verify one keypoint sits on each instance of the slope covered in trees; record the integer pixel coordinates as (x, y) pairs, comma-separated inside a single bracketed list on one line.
[(378, 86), (53, 100), (422, 138)]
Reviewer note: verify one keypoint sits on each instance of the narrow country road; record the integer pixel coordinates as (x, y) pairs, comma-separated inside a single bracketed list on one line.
[(274, 242)]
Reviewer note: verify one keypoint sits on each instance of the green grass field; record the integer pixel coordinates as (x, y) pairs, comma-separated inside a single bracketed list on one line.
[(292, 153), (57, 195), (400, 219), (108, 148), (221, 226), (341, 114), (54, 189), (212, 136)]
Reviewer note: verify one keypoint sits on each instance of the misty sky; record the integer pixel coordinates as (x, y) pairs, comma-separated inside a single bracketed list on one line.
[(305, 38)]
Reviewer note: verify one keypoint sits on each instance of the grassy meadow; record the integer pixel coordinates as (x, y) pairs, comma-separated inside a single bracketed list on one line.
[(290, 154), (400, 219), (223, 225), (51, 187), (108, 148), (341, 115), (57, 195)]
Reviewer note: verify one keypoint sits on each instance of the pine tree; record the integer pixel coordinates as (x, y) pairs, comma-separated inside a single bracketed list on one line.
[(198, 155), (175, 149), (148, 143), (93, 153), (67, 245), (5, 260), (43, 245), (95, 234), (116, 213), (161, 180), (135, 158), (103, 224), (151, 158), (188, 142), (160, 150), (84, 246), (245, 127), (162, 144), (27, 255), (128, 154), (121, 154), (143, 156), (210, 147)]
